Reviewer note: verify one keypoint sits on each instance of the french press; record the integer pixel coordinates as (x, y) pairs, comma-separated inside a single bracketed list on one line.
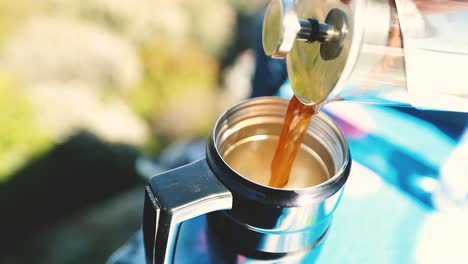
[(398, 52)]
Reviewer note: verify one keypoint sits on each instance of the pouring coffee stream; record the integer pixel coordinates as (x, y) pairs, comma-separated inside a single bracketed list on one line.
[(330, 35), (295, 125)]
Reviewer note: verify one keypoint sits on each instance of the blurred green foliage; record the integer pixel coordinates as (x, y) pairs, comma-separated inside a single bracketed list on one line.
[(178, 81), (21, 137), (180, 46), (173, 76)]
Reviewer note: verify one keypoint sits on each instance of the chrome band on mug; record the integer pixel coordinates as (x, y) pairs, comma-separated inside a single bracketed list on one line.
[(272, 220)]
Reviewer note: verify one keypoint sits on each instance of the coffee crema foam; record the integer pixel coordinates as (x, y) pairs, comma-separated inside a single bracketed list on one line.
[(251, 158)]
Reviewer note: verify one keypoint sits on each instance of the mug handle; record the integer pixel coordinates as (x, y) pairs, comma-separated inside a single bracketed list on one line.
[(174, 197)]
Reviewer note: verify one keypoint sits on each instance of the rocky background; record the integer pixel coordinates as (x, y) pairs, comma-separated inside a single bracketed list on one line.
[(88, 86)]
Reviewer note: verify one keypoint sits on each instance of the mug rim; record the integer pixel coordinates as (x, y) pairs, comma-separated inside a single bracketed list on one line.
[(235, 181)]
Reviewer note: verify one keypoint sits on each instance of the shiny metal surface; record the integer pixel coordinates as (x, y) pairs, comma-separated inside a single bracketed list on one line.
[(257, 221), (333, 31), (316, 62), (374, 65), (179, 195), (367, 66), (315, 68), (270, 220), (280, 28), (332, 47)]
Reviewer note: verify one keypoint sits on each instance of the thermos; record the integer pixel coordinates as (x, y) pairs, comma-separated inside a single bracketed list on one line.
[(252, 219)]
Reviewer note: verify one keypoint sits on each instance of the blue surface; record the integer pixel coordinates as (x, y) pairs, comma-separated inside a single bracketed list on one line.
[(380, 227), (386, 204)]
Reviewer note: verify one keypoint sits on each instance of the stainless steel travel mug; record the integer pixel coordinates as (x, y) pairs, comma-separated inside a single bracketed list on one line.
[(252, 218)]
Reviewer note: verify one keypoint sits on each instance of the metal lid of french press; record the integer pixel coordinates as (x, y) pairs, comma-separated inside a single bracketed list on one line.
[(316, 51)]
